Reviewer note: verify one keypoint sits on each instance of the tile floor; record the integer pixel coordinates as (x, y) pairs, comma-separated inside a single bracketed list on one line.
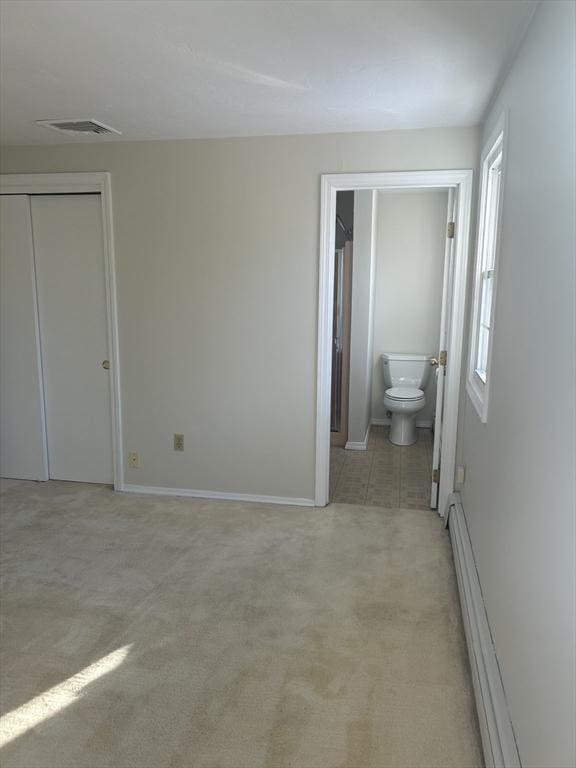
[(385, 475)]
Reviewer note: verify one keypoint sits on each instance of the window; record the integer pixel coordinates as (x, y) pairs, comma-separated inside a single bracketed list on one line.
[(485, 276)]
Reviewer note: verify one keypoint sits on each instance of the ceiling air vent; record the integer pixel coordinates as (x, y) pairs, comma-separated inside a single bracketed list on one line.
[(78, 127)]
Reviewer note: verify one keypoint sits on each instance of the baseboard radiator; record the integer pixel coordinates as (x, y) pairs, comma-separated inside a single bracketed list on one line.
[(499, 744)]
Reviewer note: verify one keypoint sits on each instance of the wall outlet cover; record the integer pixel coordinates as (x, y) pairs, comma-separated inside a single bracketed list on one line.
[(178, 442), (134, 460)]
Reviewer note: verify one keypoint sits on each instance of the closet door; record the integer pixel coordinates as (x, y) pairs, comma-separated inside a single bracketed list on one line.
[(22, 438), (70, 277)]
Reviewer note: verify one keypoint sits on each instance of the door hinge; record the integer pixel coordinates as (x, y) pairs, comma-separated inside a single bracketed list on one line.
[(450, 230), (435, 475), (443, 358)]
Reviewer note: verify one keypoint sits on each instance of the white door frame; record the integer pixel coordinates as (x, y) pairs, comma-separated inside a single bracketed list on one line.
[(75, 183), (461, 182)]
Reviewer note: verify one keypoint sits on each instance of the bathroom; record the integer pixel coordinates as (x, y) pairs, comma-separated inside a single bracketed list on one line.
[(391, 247)]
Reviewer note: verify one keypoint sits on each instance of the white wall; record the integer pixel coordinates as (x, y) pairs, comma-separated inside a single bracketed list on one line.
[(217, 306), (410, 246), (519, 495)]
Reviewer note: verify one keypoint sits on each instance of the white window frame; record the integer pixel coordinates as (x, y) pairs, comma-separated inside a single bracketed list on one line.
[(478, 382)]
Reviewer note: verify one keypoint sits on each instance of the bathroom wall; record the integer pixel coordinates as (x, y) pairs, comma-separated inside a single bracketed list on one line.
[(519, 495), (410, 246), (217, 308), (362, 321)]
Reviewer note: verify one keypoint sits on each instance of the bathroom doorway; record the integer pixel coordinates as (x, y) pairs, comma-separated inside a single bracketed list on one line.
[(408, 272)]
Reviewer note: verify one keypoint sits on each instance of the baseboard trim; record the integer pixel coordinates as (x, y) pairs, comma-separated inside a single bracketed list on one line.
[(421, 424), (359, 446), (498, 741), (152, 490)]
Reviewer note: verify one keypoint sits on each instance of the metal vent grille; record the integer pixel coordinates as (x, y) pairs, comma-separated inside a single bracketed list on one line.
[(73, 127)]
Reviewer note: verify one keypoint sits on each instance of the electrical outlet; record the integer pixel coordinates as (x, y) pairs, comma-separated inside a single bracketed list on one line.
[(460, 475), (134, 460), (178, 442)]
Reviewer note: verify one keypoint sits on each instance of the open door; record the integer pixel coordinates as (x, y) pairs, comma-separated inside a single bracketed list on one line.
[(341, 345), (442, 359)]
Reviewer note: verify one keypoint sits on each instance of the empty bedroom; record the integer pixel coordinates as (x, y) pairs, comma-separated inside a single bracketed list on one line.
[(282, 284)]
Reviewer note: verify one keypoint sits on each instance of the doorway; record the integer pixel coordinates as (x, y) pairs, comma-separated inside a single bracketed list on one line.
[(57, 261), (439, 456)]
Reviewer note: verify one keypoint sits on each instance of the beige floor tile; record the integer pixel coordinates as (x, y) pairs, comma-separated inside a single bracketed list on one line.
[(384, 475)]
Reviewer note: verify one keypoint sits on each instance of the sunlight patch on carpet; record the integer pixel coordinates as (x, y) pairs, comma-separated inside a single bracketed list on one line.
[(51, 702)]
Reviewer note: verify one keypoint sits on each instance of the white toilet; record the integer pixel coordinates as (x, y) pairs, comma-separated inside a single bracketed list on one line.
[(405, 377)]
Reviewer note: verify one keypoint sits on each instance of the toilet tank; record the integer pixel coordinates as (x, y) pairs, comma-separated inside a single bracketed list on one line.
[(405, 370)]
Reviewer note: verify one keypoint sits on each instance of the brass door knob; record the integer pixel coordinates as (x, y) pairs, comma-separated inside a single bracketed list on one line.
[(106, 364)]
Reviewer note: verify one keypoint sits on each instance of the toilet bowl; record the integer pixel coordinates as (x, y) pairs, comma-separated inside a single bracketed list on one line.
[(405, 376)]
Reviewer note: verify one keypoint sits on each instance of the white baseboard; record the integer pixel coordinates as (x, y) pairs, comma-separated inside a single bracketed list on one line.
[(420, 423), (500, 750), (361, 446), (352, 446), (247, 497)]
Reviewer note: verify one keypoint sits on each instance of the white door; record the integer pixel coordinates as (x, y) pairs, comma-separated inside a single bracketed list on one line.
[(70, 274), (22, 436), (445, 318)]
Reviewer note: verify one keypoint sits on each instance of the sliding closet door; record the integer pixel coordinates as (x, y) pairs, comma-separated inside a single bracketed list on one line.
[(22, 440), (70, 276)]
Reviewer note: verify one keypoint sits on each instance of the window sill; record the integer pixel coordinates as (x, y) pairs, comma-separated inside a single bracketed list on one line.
[(479, 399)]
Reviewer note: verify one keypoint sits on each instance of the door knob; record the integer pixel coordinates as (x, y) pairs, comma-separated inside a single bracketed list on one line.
[(433, 361), (106, 364)]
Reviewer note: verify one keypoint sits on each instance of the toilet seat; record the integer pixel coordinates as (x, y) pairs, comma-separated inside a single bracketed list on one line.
[(404, 393)]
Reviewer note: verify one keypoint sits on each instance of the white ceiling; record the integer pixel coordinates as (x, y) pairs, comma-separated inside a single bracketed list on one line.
[(167, 69)]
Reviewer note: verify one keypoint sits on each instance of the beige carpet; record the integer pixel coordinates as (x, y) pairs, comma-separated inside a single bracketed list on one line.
[(148, 632)]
